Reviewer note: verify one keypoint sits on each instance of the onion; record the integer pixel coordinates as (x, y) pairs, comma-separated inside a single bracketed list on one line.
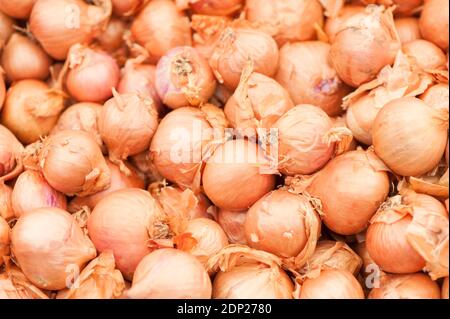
[(10, 155), (59, 24), (159, 27), (402, 7), (426, 54), (170, 274), (119, 180), (98, 280), (409, 121), (18, 9), (437, 96), (351, 187), (285, 224), (307, 74), (140, 78), (258, 102), (305, 141), (202, 238), (23, 59), (181, 141), (72, 163), (410, 286), (215, 7), (332, 284), (246, 273), (444, 292), (4, 239), (292, 20), (407, 29), (389, 237), (365, 45), (335, 24), (80, 117), (112, 38), (126, 124), (6, 28), (125, 8), (14, 285), (45, 242), (183, 77), (6, 210), (32, 191), (91, 75), (433, 22), (333, 255), (181, 206), (235, 47), (234, 177), (232, 224), (31, 109), (126, 222)]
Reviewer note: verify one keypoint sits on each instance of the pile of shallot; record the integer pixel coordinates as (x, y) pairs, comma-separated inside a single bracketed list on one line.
[(178, 149)]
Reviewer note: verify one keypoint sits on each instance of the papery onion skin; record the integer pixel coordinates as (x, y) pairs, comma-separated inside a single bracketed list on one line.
[(72, 163), (80, 117), (233, 225), (140, 78), (437, 96), (426, 54), (10, 155), (59, 24), (307, 74), (119, 180), (127, 124), (202, 238), (233, 50), (281, 223), (409, 286), (6, 210), (92, 74), (293, 20), (335, 24), (408, 29), (4, 239), (351, 189), (409, 121), (159, 276), (124, 222), (187, 131), (98, 280), (159, 27), (126, 8), (358, 57), (444, 290), (31, 109), (336, 255), (332, 284), (112, 38), (251, 281), (45, 242), (433, 22), (32, 191), (267, 101), (234, 176), (14, 285), (2, 90), (302, 148), (215, 7), (23, 59), (17, 9), (183, 77)]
